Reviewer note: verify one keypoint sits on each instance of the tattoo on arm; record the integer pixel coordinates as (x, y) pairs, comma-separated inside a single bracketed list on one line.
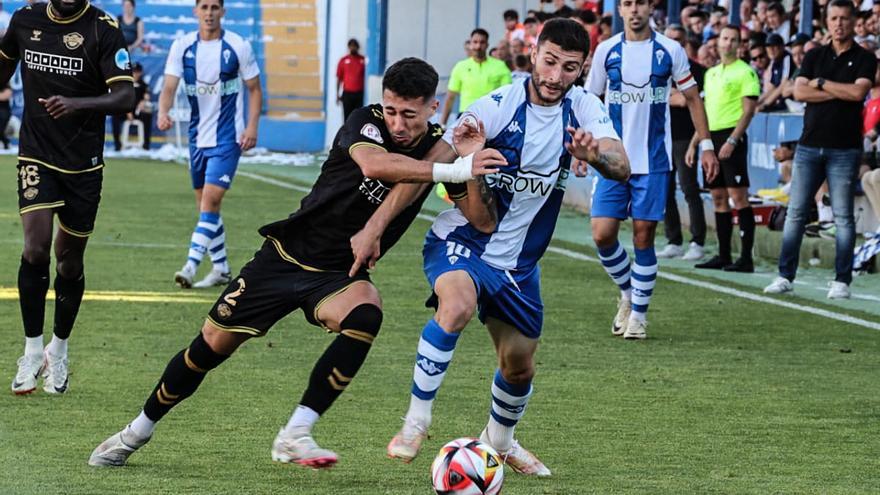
[(612, 165), (487, 197)]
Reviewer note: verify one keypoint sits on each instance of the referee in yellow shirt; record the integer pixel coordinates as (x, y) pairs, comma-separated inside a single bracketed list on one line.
[(731, 93), (474, 77)]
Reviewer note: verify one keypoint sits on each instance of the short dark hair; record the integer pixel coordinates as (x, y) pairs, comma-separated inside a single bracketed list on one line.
[(481, 32), (132, 2), (511, 15), (197, 3), (736, 28), (566, 33), (354, 42), (846, 4), (585, 16), (605, 21), (521, 61), (779, 9), (411, 78), (532, 20)]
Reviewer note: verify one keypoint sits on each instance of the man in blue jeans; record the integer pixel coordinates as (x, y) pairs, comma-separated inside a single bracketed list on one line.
[(833, 81)]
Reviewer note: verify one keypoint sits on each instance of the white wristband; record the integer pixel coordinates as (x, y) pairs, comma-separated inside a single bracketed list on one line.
[(455, 172), (706, 145)]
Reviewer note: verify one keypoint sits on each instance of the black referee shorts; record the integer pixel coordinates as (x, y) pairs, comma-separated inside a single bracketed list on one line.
[(734, 172), (270, 287), (73, 196)]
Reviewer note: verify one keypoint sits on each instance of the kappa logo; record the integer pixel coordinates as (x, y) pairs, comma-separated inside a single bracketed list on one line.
[(497, 98), (225, 178), (370, 131), (428, 366), (189, 54), (514, 127), (614, 56), (659, 54), (36, 35)]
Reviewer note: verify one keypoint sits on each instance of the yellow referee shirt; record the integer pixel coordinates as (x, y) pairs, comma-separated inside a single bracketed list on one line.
[(473, 80), (724, 88)]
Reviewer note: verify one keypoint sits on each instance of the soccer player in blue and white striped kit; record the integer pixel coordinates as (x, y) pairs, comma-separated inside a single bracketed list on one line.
[(213, 64), (634, 70), (538, 124)]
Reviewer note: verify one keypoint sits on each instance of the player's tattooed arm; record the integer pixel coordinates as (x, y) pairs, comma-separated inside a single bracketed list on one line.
[(606, 155)]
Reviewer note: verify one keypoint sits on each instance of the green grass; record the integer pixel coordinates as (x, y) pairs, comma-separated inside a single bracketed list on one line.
[(727, 396)]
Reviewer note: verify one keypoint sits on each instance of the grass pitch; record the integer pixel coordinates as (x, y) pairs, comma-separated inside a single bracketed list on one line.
[(727, 396)]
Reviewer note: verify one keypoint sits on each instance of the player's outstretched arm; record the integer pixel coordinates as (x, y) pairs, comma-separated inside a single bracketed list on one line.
[(119, 100), (392, 167), (606, 155), (255, 104)]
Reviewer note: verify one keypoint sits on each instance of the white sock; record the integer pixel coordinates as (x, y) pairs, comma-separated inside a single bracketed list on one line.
[(57, 347), (420, 409), (302, 417), (33, 346), (825, 212), (142, 426), (626, 294), (500, 436), (636, 316), (191, 267)]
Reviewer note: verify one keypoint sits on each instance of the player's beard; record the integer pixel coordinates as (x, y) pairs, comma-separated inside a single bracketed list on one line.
[(537, 83), (67, 9)]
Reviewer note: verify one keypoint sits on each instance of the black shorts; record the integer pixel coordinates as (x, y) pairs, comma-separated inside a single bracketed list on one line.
[(73, 196), (270, 287), (733, 172)]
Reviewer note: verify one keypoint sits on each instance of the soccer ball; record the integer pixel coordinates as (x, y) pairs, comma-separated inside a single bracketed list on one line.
[(467, 466)]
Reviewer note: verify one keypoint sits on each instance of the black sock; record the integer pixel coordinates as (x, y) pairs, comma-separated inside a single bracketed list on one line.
[(343, 358), (33, 283), (747, 231), (724, 226), (68, 296), (182, 377)]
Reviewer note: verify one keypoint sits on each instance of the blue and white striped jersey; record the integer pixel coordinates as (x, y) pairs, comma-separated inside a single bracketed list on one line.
[(529, 189), (212, 73), (635, 77)]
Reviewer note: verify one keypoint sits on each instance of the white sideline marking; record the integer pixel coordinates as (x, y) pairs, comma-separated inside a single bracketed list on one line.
[(668, 276)]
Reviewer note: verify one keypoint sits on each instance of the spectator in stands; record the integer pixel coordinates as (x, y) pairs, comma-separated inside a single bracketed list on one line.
[(833, 81), (532, 30), (777, 73), (5, 113), (474, 77), (513, 28), (704, 56), (797, 47), (350, 79), (517, 47), (562, 10), (863, 19), (682, 131), (731, 93), (5, 17), (143, 111), (131, 25), (759, 18), (697, 21), (590, 23), (784, 156), (777, 23), (692, 46), (717, 20), (522, 68), (869, 173), (759, 59), (605, 29)]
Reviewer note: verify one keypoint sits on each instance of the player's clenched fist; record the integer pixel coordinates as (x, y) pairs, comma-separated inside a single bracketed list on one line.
[(470, 136), (164, 122)]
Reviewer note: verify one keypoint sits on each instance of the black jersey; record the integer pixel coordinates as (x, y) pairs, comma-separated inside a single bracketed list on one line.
[(79, 56), (342, 199)]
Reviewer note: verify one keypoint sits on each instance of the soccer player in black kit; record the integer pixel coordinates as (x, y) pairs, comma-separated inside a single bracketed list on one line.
[(314, 260), (71, 54)]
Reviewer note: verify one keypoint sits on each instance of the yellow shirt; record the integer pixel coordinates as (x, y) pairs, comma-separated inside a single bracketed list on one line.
[(724, 88), (473, 80)]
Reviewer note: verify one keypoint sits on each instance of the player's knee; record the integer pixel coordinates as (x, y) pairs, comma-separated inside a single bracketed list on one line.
[(362, 323), (221, 341), (36, 254), (201, 357), (70, 268), (454, 314), (520, 373)]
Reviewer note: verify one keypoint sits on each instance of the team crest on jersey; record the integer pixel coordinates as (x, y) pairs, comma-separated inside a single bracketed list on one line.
[(36, 35), (73, 40), (223, 310), (30, 193), (227, 53), (372, 132), (659, 55)]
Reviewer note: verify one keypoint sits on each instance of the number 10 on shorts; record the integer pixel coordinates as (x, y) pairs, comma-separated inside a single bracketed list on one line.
[(454, 251)]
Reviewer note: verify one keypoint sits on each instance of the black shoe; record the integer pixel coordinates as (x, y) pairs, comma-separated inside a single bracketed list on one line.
[(741, 265), (716, 263)]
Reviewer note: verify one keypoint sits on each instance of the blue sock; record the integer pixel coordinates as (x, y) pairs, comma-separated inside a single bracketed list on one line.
[(436, 347), (205, 232), (508, 406), (217, 248), (644, 277), (617, 266)]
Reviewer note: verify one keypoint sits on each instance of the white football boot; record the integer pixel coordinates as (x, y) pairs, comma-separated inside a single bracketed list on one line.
[(518, 458), (114, 451), (408, 441), (56, 377), (298, 446), (213, 279), (184, 278), (636, 329), (29, 369), (624, 308)]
